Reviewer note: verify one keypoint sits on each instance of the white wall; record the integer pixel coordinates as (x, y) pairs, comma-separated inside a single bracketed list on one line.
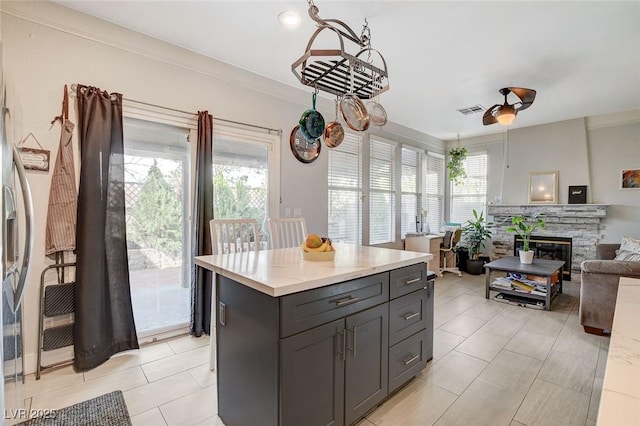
[(47, 46), (589, 151), (612, 148)]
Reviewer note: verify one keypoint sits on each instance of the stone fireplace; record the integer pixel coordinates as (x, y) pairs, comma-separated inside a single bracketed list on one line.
[(552, 248), (582, 223)]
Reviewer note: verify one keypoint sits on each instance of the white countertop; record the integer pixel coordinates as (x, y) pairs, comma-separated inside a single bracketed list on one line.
[(620, 400), (282, 271)]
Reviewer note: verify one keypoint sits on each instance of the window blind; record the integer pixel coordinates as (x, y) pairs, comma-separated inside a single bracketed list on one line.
[(472, 194), (382, 188), (411, 190), (434, 191), (345, 189)]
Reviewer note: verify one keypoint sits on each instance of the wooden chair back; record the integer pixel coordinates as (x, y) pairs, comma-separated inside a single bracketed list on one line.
[(287, 232), (234, 235)]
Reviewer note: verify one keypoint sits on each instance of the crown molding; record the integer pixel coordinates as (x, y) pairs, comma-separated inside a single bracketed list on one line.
[(613, 119)]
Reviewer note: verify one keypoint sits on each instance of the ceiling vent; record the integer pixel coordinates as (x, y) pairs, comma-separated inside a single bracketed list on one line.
[(471, 110)]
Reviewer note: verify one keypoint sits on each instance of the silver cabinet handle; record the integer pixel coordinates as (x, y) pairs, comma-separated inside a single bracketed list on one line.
[(346, 301), (354, 331), (411, 360), (407, 317), (343, 333), (222, 314), (415, 280)]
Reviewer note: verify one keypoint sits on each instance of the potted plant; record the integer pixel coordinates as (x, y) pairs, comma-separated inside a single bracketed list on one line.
[(455, 165), (474, 234), (524, 227)]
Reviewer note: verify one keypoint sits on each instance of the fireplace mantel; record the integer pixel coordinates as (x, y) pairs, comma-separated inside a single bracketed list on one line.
[(579, 210), (580, 222)]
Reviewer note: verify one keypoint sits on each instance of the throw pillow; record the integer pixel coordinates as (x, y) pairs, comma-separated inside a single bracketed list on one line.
[(629, 256), (630, 244)]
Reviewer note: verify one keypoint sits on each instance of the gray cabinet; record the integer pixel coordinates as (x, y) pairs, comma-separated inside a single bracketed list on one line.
[(321, 357), (366, 377), (246, 355), (324, 384), (410, 332), (313, 373)]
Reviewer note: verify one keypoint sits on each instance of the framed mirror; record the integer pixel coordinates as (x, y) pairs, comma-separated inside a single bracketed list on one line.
[(543, 187)]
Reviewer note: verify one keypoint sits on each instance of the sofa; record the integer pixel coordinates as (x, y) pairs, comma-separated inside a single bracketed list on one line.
[(599, 287)]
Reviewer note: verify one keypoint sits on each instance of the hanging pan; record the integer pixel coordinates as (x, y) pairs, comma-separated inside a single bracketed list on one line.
[(333, 132), (377, 113), (353, 110), (312, 122)]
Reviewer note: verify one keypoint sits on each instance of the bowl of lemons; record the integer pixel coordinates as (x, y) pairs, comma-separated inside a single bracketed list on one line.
[(317, 248)]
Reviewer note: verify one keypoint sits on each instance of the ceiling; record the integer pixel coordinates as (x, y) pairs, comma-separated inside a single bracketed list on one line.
[(583, 57)]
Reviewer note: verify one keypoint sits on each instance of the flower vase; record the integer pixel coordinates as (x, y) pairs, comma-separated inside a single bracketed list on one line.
[(526, 257)]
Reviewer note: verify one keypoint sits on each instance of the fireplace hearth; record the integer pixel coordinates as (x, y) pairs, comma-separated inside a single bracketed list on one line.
[(552, 248)]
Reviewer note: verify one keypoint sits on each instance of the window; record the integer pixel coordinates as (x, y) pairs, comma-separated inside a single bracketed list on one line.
[(473, 193), (411, 190), (392, 176), (243, 175), (434, 191), (345, 191), (382, 192)]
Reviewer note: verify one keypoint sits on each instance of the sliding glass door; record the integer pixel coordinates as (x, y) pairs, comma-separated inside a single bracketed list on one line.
[(244, 176), (157, 164)]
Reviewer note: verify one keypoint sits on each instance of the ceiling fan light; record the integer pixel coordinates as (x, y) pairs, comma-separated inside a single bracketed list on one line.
[(506, 114)]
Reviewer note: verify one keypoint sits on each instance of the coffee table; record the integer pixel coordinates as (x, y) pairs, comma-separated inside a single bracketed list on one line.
[(541, 267)]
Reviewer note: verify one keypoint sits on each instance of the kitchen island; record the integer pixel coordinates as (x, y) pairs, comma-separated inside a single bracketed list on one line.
[(317, 343)]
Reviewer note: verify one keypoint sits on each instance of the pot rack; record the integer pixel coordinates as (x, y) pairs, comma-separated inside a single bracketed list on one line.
[(332, 70)]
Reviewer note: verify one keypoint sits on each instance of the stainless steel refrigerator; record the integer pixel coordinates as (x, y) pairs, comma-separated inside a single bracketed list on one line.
[(16, 225)]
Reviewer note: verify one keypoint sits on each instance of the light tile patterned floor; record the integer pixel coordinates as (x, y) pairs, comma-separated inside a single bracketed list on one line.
[(494, 364)]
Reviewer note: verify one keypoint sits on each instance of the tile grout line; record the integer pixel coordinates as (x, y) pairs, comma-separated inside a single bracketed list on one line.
[(476, 378)]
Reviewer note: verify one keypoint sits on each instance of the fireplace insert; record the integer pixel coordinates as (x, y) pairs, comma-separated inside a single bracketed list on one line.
[(553, 248)]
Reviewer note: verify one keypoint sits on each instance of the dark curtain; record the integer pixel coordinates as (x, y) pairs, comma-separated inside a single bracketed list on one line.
[(104, 323), (202, 279)]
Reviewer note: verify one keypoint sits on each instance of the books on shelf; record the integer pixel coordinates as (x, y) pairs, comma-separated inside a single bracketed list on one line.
[(543, 280), (502, 283), (520, 283)]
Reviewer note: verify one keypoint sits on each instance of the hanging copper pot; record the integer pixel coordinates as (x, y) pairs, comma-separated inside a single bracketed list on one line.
[(333, 132)]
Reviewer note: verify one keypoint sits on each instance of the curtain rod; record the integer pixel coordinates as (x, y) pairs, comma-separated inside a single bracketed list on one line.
[(74, 87)]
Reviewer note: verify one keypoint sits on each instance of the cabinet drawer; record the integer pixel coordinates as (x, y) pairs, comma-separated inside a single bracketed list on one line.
[(307, 309), (408, 279), (406, 359), (407, 315)]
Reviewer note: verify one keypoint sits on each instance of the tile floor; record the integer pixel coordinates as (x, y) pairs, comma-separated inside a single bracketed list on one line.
[(494, 364)]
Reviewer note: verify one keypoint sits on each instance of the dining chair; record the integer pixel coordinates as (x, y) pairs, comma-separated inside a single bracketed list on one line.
[(234, 235), (287, 232)]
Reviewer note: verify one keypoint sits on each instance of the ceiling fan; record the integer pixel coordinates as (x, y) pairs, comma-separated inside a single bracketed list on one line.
[(506, 113)]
